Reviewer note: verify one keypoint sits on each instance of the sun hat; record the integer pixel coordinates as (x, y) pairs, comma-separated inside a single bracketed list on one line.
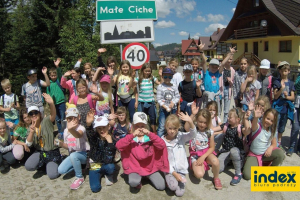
[(265, 64), (167, 71), (140, 117), (105, 78), (188, 67), (214, 62), (31, 108), (100, 121), (72, 112), (31, 71)]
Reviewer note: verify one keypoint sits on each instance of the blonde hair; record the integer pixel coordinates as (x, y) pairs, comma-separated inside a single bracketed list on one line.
[(82, 82), (266, 100), (173, 60), (5, 82), (195, 59), (274, 125), (245, 59), (237, 112), (109, 93), (122, 110), (174, 120), (251, 69), (89, 65), (206, 114), (213, 104)]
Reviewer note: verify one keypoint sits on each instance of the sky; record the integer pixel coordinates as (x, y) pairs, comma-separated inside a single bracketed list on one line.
[(179, 18)]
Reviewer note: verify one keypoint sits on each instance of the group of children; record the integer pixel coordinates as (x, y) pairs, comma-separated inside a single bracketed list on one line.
[(98, 131)]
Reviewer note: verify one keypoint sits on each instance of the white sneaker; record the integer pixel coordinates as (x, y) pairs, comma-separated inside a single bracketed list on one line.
[(109, 180)]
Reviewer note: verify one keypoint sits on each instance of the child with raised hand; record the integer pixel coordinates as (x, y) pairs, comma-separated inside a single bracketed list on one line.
[(75, 140), (175, 142), (143, 154), (102, 150), (232, 146), (265, 79), (250, 88), (105, 106), (198, 75), (177, 77), (239, 78), (71, 84), (202, 148), (262, 101), (264, 145), (20, 133)]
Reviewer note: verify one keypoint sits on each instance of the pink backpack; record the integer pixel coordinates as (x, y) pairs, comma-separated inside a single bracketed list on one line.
[(239, 129), (92, 103)]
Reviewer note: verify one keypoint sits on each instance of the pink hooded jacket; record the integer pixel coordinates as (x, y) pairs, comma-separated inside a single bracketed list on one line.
[(143, 159), (68, 85)]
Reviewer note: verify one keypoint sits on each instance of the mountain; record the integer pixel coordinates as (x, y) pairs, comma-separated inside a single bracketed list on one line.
[(168, 47)]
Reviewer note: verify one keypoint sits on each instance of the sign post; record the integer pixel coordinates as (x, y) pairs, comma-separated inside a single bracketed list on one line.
[(137, 54)]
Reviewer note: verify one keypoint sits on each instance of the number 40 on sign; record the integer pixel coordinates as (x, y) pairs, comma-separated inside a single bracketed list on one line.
[(137, 54)]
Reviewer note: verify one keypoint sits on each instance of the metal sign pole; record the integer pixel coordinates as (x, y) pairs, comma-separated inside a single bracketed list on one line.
[(121, 50)]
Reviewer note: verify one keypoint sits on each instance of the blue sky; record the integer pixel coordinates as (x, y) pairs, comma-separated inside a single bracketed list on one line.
[(179, 18)]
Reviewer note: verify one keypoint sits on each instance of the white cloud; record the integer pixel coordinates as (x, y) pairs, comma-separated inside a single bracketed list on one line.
[(232, 10), (172, 33), (183, 33), (213, 27), (196, 36), (181, 8), (156, 44), (164, 24), (199, 18), (215, 18)]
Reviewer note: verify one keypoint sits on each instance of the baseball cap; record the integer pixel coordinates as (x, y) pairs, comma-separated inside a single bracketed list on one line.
[(188, 67), (265, 64), (282, 63), (167, 71), (140, 117), (214, 62), (105, 78), (72, 112), (100, 121), (31, 108), (31, 71)]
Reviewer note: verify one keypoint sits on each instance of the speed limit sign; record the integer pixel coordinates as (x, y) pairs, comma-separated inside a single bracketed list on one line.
[(137, 54)]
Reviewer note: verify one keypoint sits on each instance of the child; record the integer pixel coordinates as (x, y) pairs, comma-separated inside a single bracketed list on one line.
[(143, 154), (250, 88), (6, 146), (32, 91), (198, 75), (228, 76), (175, 142), (88, 72), (265, 79), (102, 151), (263, 147), (56, 92), (177, 77), (232, 146), (71, 84), (9, 103), (188, 89), (167, 98), (239, 78), (41, 136), (85, 101), (262, 101), (146, 101), (75, 140), (284, 96), (105, 106), (20, 133), (202, 148)]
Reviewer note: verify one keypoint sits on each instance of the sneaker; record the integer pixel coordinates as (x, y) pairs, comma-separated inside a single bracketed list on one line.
[(2, 167), (117, 156), (139, 186), (290, 151), (236, 179), (109, 180), (180, 189), (77, 183), (217, 183)]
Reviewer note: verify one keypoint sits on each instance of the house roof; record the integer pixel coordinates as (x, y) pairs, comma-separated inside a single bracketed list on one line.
[(153, 56), (216, 37)]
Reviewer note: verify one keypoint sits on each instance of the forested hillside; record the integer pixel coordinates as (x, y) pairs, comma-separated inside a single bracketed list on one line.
[(168, 47)]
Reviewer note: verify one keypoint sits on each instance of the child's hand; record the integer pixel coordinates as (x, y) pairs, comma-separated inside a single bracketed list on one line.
[(101, 50), (144, 131), (112, 116), (285, 93), (171, 105), (26, 148), (251, 106), (268, 153), (185, 117), (57, 61), (194, 108), (177, 176), (90, 117), (108, 138), (201, 46), (101, 68), (110, 71), (282, 84), (229, 81), (94, 89), (198, 82), (72, 124), (47, 98), (233, 49), (160, 71), (247, 114), (136, 104), (133, 74), (249, 79), (10, 124), (200, 161), (136, 133), (44, 70), (68, 73), (32, 127), (258, 111), (80, 60)]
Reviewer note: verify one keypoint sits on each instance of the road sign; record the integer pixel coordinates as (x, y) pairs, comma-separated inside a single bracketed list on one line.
[(137, 54), (125, 10)]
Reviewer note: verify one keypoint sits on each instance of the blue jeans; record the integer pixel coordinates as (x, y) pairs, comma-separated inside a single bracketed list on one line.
[(129, 106), (15, 121), (73, 162), (282, 120), (295, 130), (95, 175), (163, 114), (151, 111), (226, 103), (186, 109), (60, 115)]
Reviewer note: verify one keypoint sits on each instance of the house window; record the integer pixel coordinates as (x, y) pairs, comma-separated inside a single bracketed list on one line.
[(255, 3), (246, 47), (285, 46), (266, 46)]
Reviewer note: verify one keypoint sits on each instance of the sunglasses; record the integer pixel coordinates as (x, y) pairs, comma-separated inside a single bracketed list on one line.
[(169, 77), (35, 112)]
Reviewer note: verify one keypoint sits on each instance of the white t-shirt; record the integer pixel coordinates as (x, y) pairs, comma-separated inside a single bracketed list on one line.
[(76, 144), (214, 121), (262, 142), (201, 141), (8, 101), (249, 96), (177, 78)]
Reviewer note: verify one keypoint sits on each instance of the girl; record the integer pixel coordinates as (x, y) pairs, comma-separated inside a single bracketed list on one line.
[(262, 101), (250, 88), (239, 78), (71, 84), (75, 140), (6, 146), (102, 151), (125, 91), (197, 75), (143, 154), (146, 101), (105, 106), (175, 142), (85, 101), (88, 71), (265, 79), (264, 144), (202, 148), (232, 146), (20, 134)]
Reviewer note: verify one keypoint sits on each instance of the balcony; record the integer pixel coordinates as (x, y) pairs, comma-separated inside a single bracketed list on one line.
[(251, 32)]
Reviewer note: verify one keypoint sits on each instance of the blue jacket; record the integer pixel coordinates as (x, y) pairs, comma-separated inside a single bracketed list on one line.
[(278, 104)]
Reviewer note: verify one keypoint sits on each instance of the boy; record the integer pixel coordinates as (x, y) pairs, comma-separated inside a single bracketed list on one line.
[(188, 89), (57, 94), (71, 84), (265, 79), (32, 91), (284, 95), (167, 98), (9, 103), (177, 77), (239, 78)]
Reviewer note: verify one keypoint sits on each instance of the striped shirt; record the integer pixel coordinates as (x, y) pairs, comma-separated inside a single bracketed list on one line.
[(146, 93)]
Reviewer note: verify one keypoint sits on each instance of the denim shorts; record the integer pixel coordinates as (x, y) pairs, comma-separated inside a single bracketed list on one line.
[(282, 120)]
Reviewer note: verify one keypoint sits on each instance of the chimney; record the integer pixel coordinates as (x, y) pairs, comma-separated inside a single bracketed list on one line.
[(218, 31)]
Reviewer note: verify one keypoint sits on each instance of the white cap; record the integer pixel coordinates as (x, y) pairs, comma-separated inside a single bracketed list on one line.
[(31, 108), (140, 117), (100, 121), (265, 64), (214, 62), (72, 112)]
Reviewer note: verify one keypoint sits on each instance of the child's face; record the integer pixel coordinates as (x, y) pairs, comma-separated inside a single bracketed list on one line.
[(244, 65), (2, 129), (26, 119), (264, 72), (195, 65), (261, 103), (34, 115), (104, 86), (53, 76), (112, 64), (87, 70), (7, 89), (251, 74), (167, 78), (284, 72), (32, 78), (171, 130), (188, 74), (121, 117), (125, 69), (230, 60), (75, 75), (72, 118), (92, 74), (102, 130), (147, 72), (173, 66), (213, 68), (268, 120), (139, 125), (82, 90), (233, 119), (202, 123), (212, 111)]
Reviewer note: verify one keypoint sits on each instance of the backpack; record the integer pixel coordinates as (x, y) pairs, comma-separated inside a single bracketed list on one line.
[(239, 129), (15, 100), (90, 101), (247, 141)]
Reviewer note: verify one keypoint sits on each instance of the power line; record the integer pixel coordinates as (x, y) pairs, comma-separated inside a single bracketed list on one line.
[(232, 2)]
